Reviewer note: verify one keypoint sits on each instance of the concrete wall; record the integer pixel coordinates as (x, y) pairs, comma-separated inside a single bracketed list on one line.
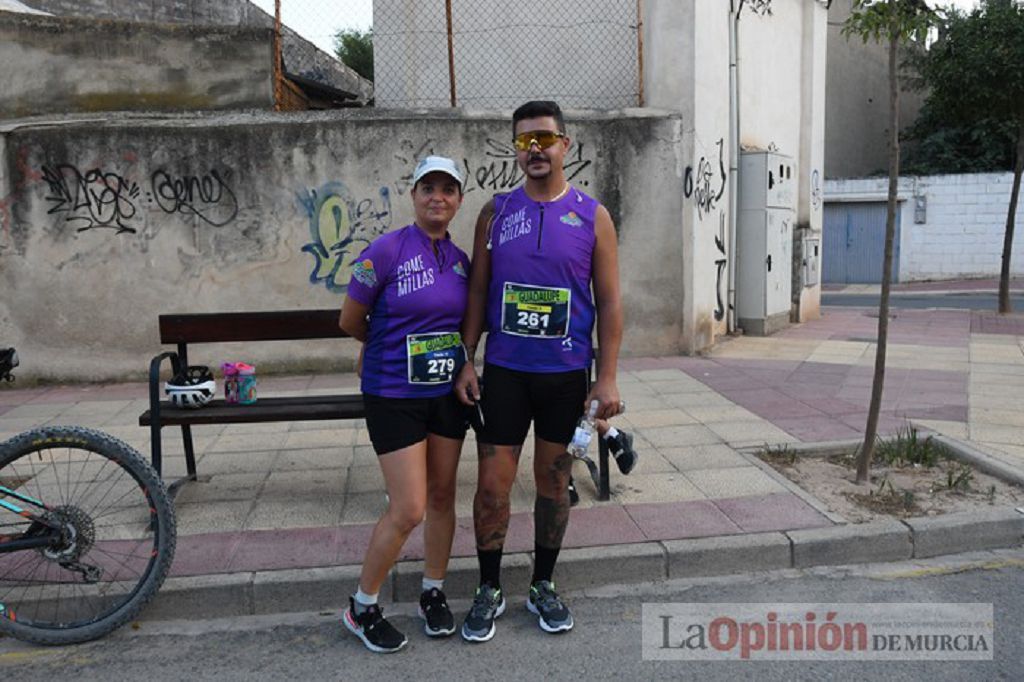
[(300, 56), (105, 225), (963, 228), (581, 52), (62, 65), (857, 102)]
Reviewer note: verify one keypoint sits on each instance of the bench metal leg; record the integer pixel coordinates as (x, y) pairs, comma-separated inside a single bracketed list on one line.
[(156, 453), (190, 453), (604, 490)]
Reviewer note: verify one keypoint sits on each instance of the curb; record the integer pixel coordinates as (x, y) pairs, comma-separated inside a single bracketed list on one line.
[(980, 460), (327, 589)]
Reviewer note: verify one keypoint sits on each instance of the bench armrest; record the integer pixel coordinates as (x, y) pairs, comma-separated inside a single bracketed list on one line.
[(154, 381)]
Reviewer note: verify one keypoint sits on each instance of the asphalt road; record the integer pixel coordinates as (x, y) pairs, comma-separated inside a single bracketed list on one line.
[(606, 643), (971, 301)]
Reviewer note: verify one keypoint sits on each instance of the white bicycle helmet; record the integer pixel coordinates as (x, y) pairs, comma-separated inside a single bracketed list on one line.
[(192, 388)]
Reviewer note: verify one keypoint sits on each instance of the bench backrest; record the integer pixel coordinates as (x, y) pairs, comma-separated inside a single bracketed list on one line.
[(282, 325)]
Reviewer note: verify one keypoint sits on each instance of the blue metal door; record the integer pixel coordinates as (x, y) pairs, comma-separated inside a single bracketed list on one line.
[(854, 243)]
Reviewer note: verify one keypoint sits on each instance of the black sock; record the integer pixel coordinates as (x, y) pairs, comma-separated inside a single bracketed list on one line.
[(490, 567), (544, 562)]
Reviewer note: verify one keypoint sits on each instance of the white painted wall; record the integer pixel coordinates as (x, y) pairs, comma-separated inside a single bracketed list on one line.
[(962, 236)]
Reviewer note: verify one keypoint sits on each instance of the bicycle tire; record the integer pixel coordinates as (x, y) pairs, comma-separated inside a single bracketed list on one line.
[(104, 535)]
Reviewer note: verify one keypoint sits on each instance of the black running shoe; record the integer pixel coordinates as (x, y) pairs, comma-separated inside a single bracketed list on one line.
[(438, 620), (552, 615), (622, 449), (488, 604), (377, 633), (574, 497)]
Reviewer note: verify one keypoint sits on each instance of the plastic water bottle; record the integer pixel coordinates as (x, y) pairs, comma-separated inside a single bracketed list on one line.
[(584, 433)]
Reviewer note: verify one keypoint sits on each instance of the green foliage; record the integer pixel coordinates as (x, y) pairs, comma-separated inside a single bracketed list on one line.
[(958, 478), (974, 108), (355, 49), (906, 448), (883, 20)]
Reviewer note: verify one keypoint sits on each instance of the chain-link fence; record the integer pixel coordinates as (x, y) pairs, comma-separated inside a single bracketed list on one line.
[(470, 53)]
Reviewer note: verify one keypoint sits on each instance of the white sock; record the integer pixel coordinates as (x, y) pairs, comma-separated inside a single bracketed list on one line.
[(611, 433), (363, 600), (430, 583)]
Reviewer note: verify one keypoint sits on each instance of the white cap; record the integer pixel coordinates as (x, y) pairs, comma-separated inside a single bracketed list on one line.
[(440, 164)]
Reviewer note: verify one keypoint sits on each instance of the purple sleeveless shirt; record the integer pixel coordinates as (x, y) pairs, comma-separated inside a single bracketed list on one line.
[(540, 310), (416, 302)]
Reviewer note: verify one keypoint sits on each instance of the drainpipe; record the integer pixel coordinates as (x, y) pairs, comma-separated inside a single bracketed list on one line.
[(734, 161)]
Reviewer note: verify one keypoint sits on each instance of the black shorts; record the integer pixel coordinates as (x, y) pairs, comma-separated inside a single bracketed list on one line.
[(511, 399), (396, 423)]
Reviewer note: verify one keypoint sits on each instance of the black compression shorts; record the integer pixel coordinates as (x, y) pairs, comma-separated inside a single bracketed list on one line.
[(396, 423), (511, 399)]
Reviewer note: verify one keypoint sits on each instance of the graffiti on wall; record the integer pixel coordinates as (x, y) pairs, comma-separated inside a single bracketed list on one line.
[(816, 189), (500, 172), (99, 198), (340, 227), (92, 198), (720, 261), (701, 185), (208, 197), (760, 7)]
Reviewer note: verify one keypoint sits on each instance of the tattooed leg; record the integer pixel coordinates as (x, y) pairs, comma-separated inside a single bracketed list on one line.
[(552, 466), (496, 474)]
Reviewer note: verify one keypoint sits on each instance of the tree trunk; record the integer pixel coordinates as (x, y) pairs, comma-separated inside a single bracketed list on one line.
[(1011, 218), (867, 449)]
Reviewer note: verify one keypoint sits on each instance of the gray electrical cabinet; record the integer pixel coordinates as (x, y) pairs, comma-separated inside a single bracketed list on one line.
[(764, 242)]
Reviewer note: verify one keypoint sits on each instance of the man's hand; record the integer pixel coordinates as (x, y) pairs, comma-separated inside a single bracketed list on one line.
[(606, 392), (467, 385)]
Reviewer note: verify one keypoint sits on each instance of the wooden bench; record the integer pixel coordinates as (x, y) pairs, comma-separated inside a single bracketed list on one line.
[(182, 330), (291, 325)]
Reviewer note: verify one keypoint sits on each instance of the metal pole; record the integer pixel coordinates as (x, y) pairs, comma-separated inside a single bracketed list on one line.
[(278, 76), (451, 50), (640, 50)]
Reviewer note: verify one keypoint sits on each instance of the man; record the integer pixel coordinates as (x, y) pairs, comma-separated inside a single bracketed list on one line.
[(537, 253)]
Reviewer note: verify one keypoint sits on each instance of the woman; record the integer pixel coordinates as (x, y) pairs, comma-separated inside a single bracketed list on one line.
[(405, 302)]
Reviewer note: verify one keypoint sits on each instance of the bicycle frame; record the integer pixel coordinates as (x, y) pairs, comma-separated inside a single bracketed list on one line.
[(26, 541)]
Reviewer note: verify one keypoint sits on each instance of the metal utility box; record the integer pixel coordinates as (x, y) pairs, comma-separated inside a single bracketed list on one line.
[(764, 242), (811, 274)]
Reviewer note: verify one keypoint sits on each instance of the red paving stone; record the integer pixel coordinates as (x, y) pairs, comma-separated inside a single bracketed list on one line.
[(783, 511), (678, 520)]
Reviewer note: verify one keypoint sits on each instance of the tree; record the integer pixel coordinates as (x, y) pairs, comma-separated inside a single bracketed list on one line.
[(975, 76), (896, 21), (355, 49)]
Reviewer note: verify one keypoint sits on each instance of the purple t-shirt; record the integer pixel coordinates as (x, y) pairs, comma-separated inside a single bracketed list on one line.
[(416, 301), (540, 310)]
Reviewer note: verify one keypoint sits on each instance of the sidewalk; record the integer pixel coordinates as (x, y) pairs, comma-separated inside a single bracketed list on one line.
[(959, 373)]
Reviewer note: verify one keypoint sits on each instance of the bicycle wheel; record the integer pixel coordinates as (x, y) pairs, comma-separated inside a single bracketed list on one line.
[(110, 528)]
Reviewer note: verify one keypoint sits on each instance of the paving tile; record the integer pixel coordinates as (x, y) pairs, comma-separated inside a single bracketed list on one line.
[(295, 512), (810, 430), (735, 482), (649, 418), (677, 520), (274, 549), (640, 488), (205, 553), (783, 511), (315, 458), (221, 487), (719, 456), (706, 415), (604, 525), (677, 436), (316, 484), (211, 517), (732, 432)]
